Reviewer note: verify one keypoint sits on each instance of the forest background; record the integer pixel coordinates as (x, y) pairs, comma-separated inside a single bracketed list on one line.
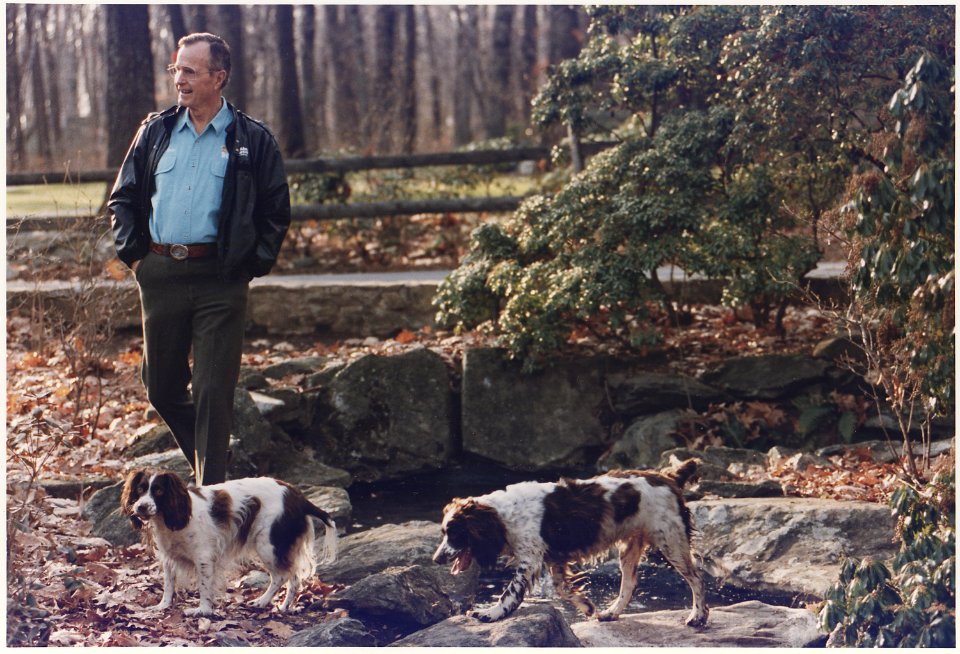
[(370, 79)]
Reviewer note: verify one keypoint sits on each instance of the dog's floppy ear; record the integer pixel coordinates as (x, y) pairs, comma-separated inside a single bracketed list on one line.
[(484, 530), (132, 491), (172, 499)]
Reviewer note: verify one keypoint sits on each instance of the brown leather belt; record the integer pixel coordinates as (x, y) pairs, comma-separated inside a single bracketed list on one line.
[(181, 252)]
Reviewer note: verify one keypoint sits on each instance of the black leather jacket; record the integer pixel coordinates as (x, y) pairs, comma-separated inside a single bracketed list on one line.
[(255, 210)]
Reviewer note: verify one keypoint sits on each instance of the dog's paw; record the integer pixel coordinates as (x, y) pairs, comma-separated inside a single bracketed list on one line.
[(697, 620), (486, 615), (607, 616), (200, 611), (259, 603), (162, 606)]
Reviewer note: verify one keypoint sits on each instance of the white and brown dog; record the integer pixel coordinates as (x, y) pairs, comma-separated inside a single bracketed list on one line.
[(556, 524), (200, 532)]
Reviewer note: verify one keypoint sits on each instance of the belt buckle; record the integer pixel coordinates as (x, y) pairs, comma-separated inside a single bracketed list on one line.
[(179, 252)]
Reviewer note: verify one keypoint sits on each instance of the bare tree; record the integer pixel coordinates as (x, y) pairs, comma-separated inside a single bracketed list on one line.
[(14, 86), (130, 59), (528, 60), (230, 19), (311, 91), (464, 83), (290, 112), (436, 108), (178, 25), (500, 64), (408, 89), (36, 15), (565, 36), (385, 85)]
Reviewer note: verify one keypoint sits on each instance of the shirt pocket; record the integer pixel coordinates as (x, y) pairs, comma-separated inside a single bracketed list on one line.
[(167, 161)]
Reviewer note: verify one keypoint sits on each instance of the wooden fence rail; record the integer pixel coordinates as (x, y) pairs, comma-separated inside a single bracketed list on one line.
[(344, 165)]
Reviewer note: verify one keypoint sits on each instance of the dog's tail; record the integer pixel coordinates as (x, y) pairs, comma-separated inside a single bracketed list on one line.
[(330, 533), (682, 474)]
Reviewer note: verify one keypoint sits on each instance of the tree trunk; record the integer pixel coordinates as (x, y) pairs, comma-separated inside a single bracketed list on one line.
[(436, 108), (36, 18), (463, 88), (363, 113), (53, 60), (385, 75), (178, 26), (291, 116), (231, 29), (564, 33), (528, 60), (312, 107), (15, 142), (408, 93), (130, 60), (196, 17), (499, 90)]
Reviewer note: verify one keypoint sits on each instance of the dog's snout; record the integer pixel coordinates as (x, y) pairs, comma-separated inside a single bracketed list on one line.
[(442, 555)]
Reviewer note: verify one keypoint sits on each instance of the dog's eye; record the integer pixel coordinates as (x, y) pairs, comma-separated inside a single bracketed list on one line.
[(158, 491)]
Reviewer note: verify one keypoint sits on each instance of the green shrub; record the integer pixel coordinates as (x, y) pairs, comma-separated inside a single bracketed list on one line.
[(911, 603)]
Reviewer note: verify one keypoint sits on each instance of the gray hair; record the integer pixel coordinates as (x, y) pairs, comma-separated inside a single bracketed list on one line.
[(219, 50)]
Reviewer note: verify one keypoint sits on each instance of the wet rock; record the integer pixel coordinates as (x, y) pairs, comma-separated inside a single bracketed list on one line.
[(649, 392), (528, 421), (532, 625), (767, 377), (747, 624), (299, 467), (344, 632), (410, 598), (375, 550), (385, 417), (792, 545), (644, 441)]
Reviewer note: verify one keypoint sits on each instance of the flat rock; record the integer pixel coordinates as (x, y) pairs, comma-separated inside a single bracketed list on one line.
[(748, 624), (792, 545), (651, 392), (373, 551), (343, 632), (767, 377), (534, 624)]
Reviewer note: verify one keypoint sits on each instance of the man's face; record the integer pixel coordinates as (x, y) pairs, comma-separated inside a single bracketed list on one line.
[(202, 93)]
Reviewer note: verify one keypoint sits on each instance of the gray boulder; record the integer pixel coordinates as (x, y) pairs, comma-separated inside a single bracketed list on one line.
[(767, 377), (792, 545), (296, 366), (333, 500), (385, 417), (172, 460), (373, 551), (414, 597), (534, 624), (103, 512), (343, 632), (652, 392), (747, 624), (150, 440), (644, 441), (528, 421)]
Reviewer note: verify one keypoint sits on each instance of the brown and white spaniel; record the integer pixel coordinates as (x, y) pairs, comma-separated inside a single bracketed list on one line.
[(555, 524), (200, 532)]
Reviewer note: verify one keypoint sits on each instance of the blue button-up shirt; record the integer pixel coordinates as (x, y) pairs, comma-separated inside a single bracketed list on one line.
[(189, 182)]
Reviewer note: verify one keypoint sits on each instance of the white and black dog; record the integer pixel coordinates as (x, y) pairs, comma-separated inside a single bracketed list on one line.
[(556, 524), (200, 532)]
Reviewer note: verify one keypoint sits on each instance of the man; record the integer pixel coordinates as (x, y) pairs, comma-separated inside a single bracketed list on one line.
[(200, 206)]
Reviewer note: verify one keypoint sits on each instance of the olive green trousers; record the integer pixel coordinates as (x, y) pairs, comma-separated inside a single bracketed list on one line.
[(188, 309)]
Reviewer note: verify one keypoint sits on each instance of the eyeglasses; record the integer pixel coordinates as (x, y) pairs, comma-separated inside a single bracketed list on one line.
[(187, 73)]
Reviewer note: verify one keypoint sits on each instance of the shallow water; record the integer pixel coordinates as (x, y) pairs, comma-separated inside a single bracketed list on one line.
[(423, 497)]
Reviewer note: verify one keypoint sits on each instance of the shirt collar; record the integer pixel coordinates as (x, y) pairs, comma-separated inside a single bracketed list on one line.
[(219, 123)]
